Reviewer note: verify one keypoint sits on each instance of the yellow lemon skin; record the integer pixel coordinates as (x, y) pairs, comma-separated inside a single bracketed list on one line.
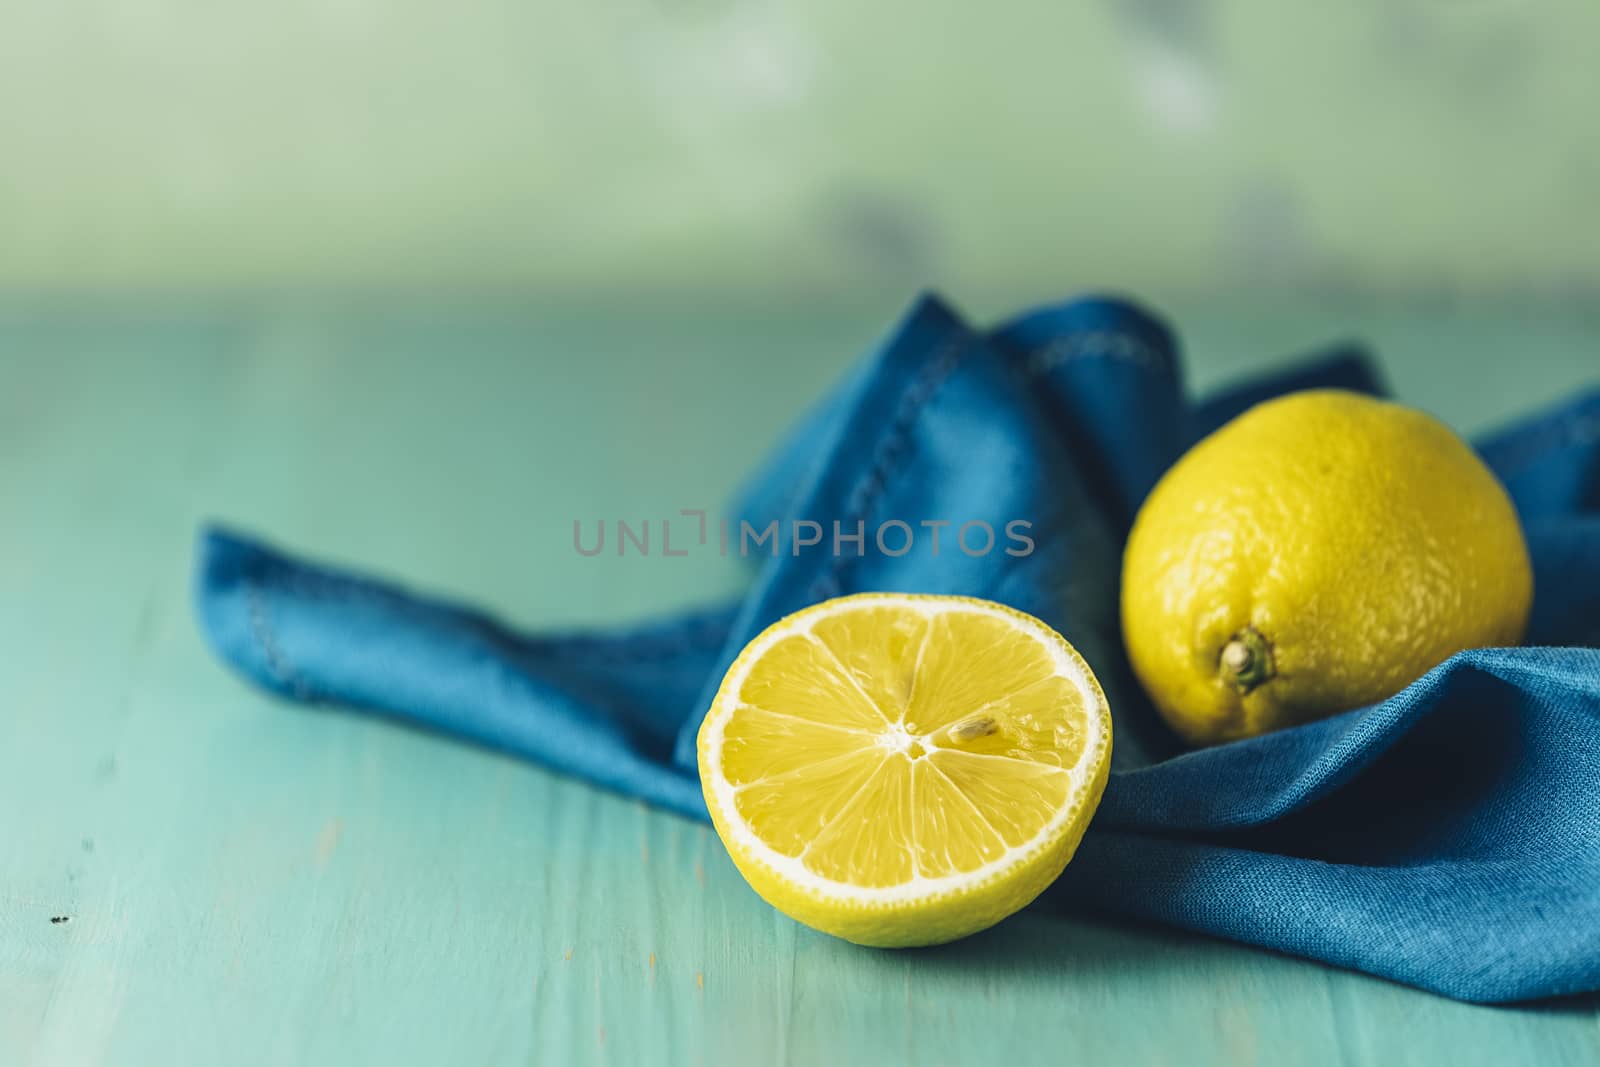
[(1318, 553)]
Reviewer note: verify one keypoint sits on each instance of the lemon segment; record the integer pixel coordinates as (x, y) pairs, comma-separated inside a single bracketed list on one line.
[(903, 770)]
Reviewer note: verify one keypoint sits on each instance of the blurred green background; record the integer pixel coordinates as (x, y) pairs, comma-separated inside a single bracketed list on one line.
[(1408, 148)]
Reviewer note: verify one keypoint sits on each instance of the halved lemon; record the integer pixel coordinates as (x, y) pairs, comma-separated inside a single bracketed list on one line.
[(903, 770)]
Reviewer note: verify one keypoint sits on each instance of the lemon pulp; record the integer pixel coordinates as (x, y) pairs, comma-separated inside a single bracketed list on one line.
[(902, 770)]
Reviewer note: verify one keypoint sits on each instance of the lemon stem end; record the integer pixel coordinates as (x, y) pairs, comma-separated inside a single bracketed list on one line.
[(1246, 660)]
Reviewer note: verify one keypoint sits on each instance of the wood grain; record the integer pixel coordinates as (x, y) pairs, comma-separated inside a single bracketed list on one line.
[(248, 882)]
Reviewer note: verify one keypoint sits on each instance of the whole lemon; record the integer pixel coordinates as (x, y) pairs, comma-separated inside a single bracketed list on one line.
[(1318, 553)]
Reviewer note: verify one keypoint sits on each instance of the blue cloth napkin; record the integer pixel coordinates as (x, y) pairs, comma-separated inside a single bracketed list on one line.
[(1448, 837)]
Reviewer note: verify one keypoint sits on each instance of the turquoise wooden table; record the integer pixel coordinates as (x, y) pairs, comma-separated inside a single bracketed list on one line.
[(191, 873)]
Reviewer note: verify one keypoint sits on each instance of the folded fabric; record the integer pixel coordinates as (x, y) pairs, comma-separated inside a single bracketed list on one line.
[(1448, 837)]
